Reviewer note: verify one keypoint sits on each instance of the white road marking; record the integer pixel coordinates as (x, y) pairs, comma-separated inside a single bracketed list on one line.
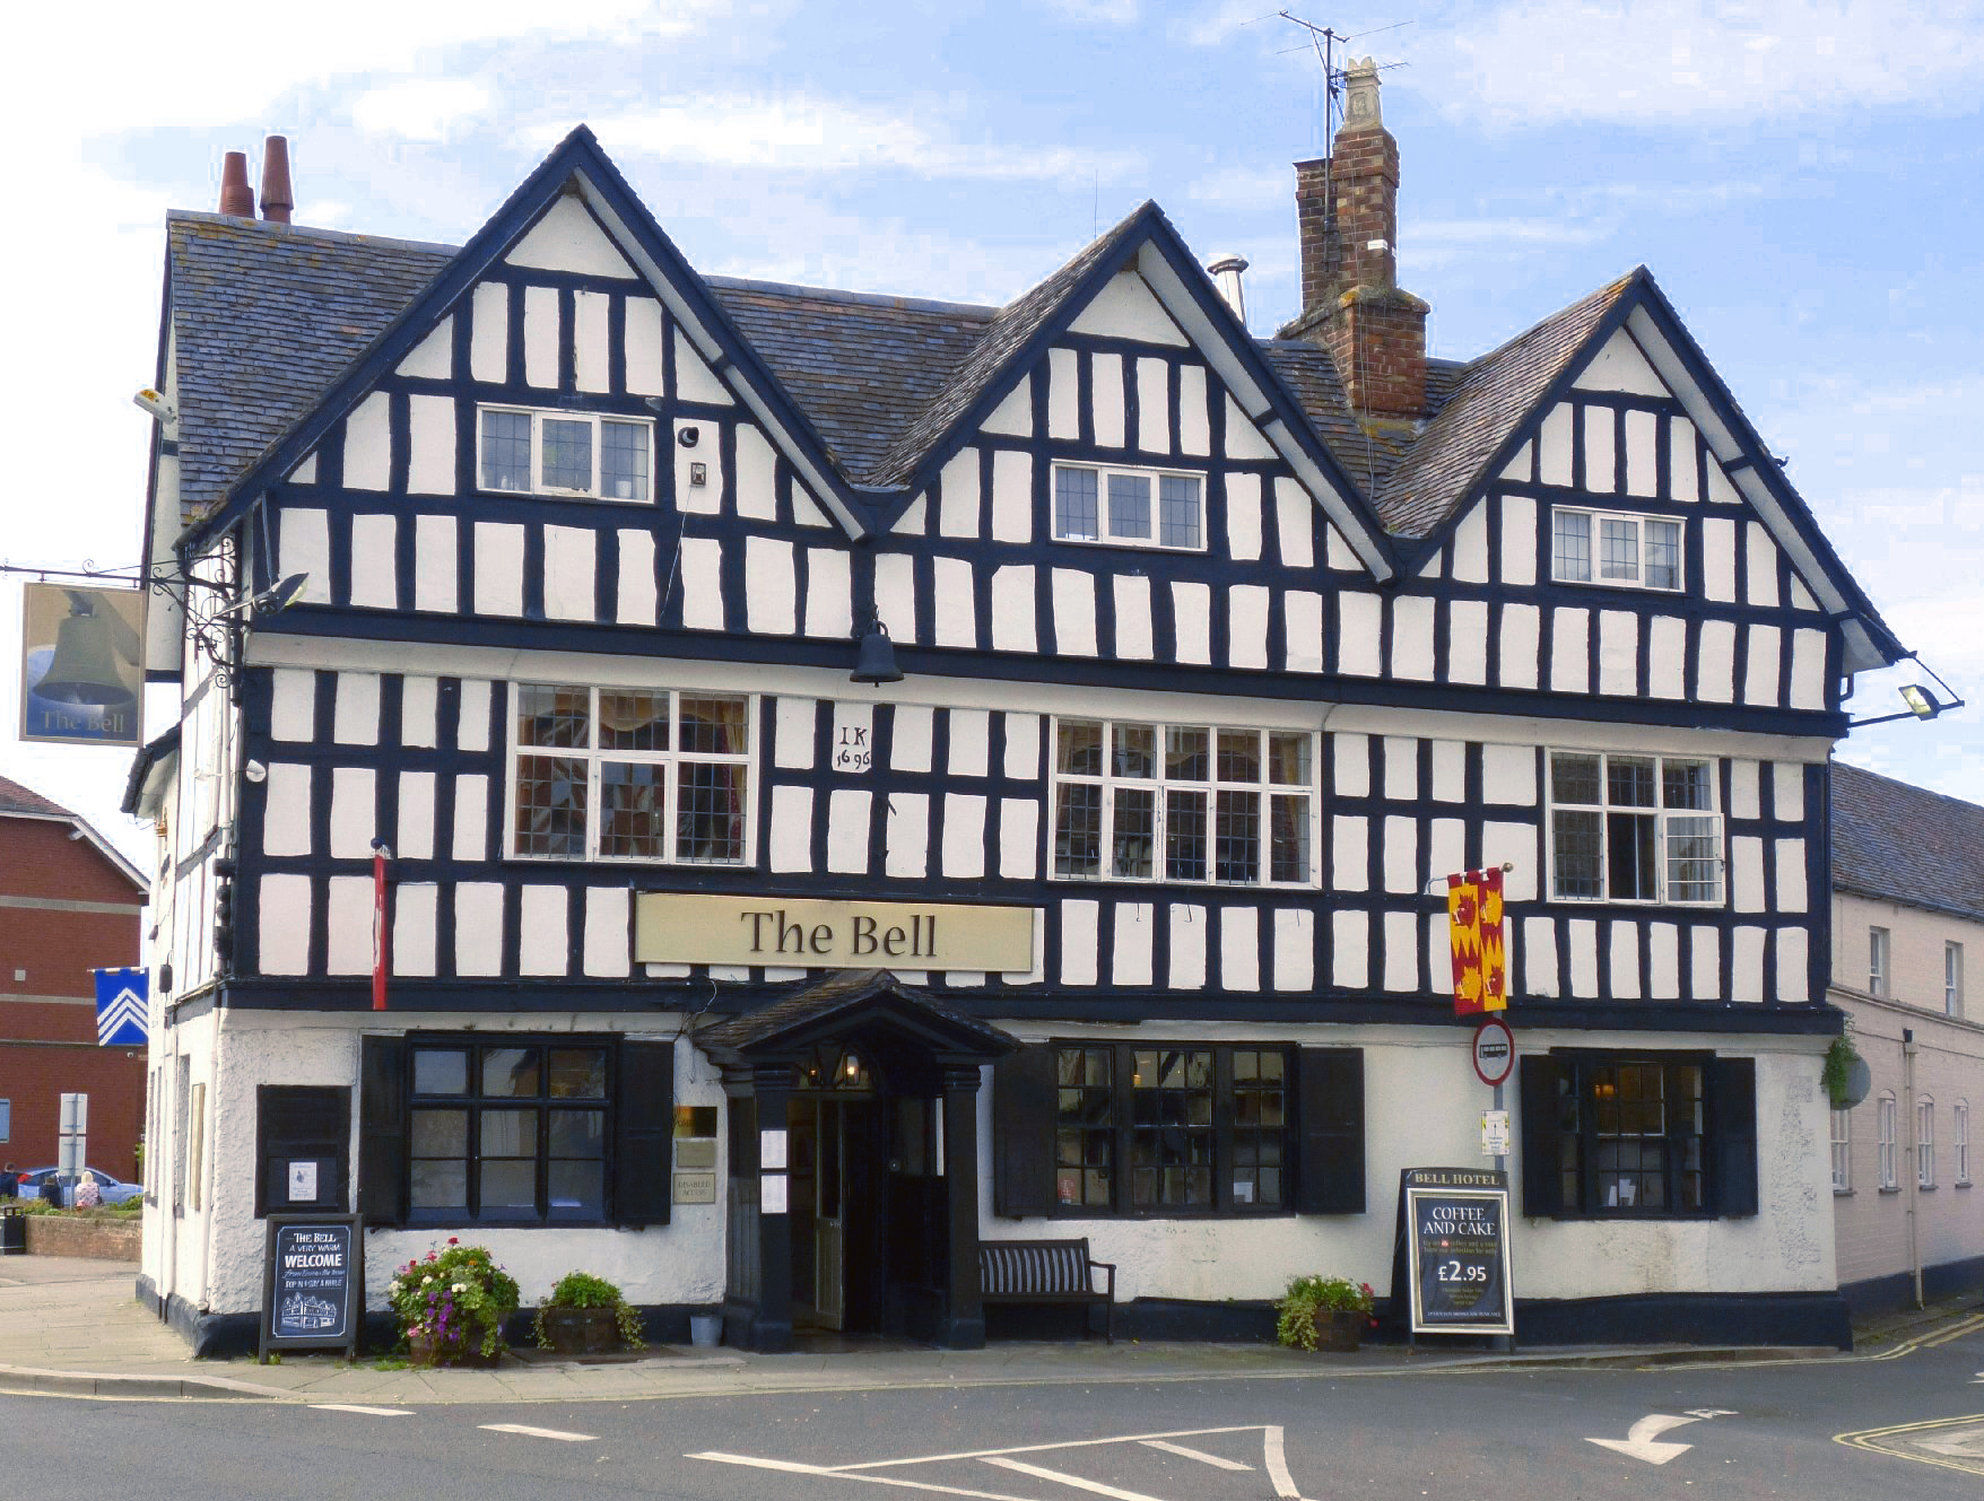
[(1199, 1454), (529, 1432), (841, 1474), (370, 1412), (1277, 1463), (1711, 1412), (1076, 1443), (1040, 1472), (1642, 1441)]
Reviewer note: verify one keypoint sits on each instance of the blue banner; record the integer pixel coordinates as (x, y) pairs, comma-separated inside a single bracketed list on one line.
[(122, 997)]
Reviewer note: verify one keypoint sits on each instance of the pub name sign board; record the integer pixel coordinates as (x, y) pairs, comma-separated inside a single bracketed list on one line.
[(1457, 1250), (808, 934)]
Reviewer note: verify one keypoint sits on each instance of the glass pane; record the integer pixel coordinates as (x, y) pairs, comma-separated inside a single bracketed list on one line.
[(632, 810), (1129, 506), (1237, 837), (567, 454), (553, 716), (1078, 831), (1686, 784), (578, 1073), (623, 460), (439, 1185), (578, 1133), (1629, 782), (1576, 844), (506, 450), (1694, 867), (1288, 760), (1663, 555), (551, 806), (1185, 836), (1571, 546), (440, 1133), (578, 1190), (510, 1072), (440, 1071), (633, 721), (1574, 779), (1078, 748), (1239, 756), (709, 816), (508, 1187), (1135, 748), (1187, 755), (1288, 833), (1076, 515), (1134, 833), (1630, 857), (509, 1133), (1620, 541), (1178, 511), (715, 726)]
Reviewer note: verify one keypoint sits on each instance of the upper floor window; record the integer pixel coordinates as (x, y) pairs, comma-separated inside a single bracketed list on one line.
[(1879, 975), (1842, 1151), (1953, 979), (1130, 507), (1634, 829), (1925, 1142), (1885, 1168), (566, 453), (630, 774), (1603, 547), (1195, 803)]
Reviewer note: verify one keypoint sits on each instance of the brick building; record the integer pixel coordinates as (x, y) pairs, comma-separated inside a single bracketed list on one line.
[(69, 903)]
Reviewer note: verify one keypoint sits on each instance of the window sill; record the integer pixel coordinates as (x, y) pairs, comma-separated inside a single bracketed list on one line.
[(1842, 1193), (1890, 1188)]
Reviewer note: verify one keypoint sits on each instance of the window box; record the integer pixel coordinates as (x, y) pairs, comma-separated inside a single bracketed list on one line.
[(1129, 507), (1190, 804), (623, 774), (521, 451), (1634, 829), (1615, 549)]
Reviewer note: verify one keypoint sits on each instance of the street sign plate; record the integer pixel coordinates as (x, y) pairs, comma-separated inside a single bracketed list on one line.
[(1494, 1051)]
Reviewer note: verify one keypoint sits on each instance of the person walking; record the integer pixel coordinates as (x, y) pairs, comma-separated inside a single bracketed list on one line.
[(10, 1182)]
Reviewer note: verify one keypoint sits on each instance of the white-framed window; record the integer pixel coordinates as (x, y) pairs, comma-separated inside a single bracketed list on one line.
[(1842, 1151), (1190, 803), (1953, 979), (6, 1120), (654, 775), (1615, 549), (1879, 970), (1925, 1142), (524, 451), (1885, 1166), (1634, 829), (1129, 507), (1960, 1139)]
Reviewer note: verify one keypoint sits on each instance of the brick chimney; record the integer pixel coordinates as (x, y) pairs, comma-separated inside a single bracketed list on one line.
[(1346, 209)]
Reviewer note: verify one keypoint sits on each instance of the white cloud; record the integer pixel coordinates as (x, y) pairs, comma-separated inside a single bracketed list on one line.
[(1095, 12), (421, 109), (800, 133), (1661, 62), (1244, 188), (1214, 25)]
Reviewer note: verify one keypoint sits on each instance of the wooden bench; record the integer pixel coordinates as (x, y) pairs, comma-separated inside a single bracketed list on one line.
[(1046, 1271)]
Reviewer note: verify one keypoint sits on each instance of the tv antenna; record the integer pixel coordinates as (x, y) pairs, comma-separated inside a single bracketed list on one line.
[(1324, 42)]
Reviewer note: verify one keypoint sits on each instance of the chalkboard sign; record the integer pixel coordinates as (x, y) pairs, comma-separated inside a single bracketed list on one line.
[(1456, 1231), (313, 1283)]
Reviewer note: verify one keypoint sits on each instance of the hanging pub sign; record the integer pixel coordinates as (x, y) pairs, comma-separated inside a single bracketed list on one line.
[(81, 679), (313, 1283), (1454, 1224), (1474, 928)]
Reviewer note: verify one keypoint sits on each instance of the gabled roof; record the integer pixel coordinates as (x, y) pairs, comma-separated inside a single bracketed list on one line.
[(1367, 451), (844, 1001), (1906, 844), (17, 801), (14, 798)]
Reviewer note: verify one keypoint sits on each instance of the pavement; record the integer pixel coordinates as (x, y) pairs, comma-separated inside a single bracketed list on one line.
[(74, 1327)]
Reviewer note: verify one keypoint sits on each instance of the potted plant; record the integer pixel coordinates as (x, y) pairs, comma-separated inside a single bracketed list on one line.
[(1323, 1313), (451, 1305), (585, 1315)]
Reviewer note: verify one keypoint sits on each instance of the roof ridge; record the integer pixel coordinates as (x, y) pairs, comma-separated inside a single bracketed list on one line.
[(306, 231), (844, 295), (1912, 787)]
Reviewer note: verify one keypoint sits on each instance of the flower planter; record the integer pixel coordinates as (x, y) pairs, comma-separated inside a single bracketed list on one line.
[(423, 1351), (582, 1331), (1340, 1329)]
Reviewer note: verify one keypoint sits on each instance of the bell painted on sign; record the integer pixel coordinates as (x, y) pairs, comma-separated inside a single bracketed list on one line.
[(86, 667)]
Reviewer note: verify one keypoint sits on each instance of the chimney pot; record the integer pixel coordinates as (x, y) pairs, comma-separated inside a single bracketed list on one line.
[(236, 198), (277, 198), (1226, 269)]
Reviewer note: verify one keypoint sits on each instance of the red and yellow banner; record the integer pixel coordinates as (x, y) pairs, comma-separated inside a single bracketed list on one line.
[(1474, 926)]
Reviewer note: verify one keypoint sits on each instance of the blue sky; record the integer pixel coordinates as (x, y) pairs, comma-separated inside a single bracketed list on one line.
[(1801, 177)]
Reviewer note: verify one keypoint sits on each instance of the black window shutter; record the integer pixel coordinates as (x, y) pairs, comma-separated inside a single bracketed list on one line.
[(1024, 1099), (382, 1139), (1329, 1159), (1542, 1180), (1732, 1116), (644, 1129)]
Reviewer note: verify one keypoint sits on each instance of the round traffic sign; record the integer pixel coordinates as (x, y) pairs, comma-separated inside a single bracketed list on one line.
[(1494, 1051)]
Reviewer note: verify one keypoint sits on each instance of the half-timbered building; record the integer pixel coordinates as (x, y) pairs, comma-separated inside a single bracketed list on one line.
[(725, 963)]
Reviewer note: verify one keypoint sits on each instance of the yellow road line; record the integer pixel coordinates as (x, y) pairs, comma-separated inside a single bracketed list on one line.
[(1864, 1439)]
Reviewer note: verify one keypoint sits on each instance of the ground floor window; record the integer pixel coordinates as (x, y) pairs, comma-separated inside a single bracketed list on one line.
[(1925, 1142), (1961, 1141), (1655, 1136), (1842, 1151), (1884, 1143)]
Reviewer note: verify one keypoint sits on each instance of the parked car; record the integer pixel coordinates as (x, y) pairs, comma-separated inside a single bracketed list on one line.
[(112, 1190)]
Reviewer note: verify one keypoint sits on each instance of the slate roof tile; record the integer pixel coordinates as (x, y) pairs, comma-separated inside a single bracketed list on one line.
[(1906, 844), (14, 798)]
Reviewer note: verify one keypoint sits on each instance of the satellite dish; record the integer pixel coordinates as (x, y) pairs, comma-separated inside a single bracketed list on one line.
[(1859, 1080)]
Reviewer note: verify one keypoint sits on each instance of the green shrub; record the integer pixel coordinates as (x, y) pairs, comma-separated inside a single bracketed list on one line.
[(584, 1290), (1295, 1314)]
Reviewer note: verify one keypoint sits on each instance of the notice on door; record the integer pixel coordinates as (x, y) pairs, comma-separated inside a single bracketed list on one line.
[(1457, 1245), (672, 928)]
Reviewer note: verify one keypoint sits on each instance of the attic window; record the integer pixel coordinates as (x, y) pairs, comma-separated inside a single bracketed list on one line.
[(526, 452), (1129, 507), (1620, 551)]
